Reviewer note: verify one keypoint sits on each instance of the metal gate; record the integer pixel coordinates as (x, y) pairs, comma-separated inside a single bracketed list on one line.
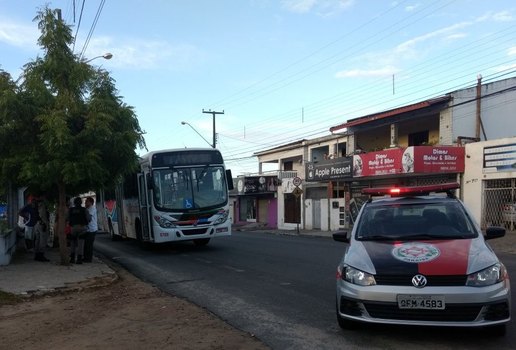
[(499, 204)]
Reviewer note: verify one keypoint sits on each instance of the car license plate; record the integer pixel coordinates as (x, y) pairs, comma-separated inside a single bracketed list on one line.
[(432, 302)]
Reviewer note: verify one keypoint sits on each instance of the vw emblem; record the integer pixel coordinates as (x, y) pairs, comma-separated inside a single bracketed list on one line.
[(419, 281)]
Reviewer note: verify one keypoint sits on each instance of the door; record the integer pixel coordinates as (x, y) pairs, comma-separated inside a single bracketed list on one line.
[(143, 201), (263, 211), (316, 214)]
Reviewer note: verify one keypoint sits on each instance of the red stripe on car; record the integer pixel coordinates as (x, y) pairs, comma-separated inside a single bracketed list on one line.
[(453, 258)]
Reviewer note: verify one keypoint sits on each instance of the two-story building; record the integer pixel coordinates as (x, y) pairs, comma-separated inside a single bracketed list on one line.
[(422, 143)]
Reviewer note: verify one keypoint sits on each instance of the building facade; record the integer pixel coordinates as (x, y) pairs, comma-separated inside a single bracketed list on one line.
[(434, 141)]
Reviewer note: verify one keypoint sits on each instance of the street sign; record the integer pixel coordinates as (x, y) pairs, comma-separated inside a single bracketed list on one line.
[(297, 192), (297, 181)]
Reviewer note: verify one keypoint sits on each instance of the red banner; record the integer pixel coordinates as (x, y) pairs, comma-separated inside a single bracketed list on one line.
[(419, 159), (428, 159)]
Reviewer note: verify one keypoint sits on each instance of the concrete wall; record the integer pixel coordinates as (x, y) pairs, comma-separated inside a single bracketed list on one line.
[(330, 217), (474, 175), (7, 246), (497, 111)]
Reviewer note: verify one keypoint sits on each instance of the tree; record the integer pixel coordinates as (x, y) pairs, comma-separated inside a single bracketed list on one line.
[(63, 127)]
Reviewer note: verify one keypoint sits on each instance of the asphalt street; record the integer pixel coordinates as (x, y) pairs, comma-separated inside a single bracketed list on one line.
[(281, 288)]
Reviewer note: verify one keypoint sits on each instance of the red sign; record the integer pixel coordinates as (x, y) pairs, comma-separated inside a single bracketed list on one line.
[(428, 159), (419, 159)]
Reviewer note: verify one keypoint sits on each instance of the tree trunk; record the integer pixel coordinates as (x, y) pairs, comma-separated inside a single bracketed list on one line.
[(62, 212)]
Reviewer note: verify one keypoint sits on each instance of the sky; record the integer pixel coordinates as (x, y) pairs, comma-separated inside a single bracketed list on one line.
[(280, 70)]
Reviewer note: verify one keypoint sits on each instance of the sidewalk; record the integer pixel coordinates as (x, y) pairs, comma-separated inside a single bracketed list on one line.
[(25, 276)]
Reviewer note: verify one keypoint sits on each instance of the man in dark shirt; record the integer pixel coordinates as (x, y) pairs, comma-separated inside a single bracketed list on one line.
[(30, 217), (78, 218)]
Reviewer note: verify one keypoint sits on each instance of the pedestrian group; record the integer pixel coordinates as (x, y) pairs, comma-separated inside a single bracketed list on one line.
[(82, 223)]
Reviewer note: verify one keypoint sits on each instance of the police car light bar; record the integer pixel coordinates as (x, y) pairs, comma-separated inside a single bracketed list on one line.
[(410, 190)]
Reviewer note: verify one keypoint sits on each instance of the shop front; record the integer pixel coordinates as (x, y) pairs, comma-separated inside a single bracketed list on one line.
[(345, 177), (408, 166), (257, 200)]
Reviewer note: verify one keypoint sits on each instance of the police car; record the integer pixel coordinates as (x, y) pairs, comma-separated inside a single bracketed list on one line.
[(416, 257)]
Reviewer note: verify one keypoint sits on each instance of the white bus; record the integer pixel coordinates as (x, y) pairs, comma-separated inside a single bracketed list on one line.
[(177, 195)]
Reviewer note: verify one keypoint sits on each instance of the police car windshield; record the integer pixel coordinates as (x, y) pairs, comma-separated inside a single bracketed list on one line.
[(436, 220)]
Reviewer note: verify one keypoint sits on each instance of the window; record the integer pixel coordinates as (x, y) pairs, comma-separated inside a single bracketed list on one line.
[(418, 138), (288, 166)]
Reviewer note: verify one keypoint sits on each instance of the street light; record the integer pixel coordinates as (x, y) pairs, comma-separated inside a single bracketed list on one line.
[(186, 123), (106, 56)]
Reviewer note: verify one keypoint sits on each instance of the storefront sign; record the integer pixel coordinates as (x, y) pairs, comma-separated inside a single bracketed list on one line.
[(416, 159), (257, 184), (334, 169), (428, 159), (500, 158)]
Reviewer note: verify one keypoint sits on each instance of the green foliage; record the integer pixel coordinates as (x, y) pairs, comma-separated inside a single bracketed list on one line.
[(63, 123)]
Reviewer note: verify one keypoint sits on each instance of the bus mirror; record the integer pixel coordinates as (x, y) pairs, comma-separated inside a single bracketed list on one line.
[(229, 179), (149, 182)]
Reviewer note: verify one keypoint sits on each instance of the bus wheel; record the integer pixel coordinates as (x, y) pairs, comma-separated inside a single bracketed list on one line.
[(139, 237), (201, 242)]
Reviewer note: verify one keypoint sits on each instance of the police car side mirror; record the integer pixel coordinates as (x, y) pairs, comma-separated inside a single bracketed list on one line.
[(494, 232), (341, 236)]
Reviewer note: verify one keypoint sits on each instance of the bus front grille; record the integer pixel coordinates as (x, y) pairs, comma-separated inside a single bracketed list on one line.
[(194, 231)]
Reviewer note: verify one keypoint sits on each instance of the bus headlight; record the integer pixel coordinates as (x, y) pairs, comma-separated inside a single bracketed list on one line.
[(223, 216), (164, 222)]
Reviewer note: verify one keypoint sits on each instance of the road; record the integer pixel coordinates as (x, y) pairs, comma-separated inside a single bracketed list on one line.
[(281, 288)]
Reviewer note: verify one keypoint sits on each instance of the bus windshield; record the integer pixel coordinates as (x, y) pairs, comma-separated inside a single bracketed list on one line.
[(189, 188)]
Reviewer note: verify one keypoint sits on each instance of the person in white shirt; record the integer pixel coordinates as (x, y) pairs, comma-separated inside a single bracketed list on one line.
[(91, 230)]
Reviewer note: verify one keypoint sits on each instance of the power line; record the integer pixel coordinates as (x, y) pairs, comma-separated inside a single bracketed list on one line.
[(92, 28), (78, 24)]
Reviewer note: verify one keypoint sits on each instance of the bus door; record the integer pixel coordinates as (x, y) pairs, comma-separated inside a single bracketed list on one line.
[(119, 219), (143, 199)]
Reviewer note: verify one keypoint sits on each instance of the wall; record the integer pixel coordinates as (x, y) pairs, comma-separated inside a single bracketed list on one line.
[(430, 123), (497, 111), (7, 246), (374, 139), (309, 220), (329, 215), (473, 174), (287, 187)]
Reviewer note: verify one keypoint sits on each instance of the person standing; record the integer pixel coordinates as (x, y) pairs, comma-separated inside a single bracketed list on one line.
[(92, 230), (41, 232), (78, 219), (30, 216)]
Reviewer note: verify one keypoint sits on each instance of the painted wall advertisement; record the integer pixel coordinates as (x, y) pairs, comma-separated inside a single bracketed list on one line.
[(419, 159), (500, 158)]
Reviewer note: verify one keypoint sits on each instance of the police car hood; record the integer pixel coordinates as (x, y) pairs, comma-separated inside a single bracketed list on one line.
[(428, 257)]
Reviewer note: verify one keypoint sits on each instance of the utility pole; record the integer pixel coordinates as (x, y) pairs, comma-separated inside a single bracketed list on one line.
[(479, 124), (213, 113)]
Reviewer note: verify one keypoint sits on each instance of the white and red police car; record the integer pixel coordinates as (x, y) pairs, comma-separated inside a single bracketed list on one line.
[(416, 257)]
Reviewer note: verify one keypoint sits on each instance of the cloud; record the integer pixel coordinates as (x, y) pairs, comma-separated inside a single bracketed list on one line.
[(410, 44), (19, 35), (357, 73), (504, 68), (453, 37), (512, 51), (323, 8), (411, 8), (502, 16), (143, 54), (299, 6)]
